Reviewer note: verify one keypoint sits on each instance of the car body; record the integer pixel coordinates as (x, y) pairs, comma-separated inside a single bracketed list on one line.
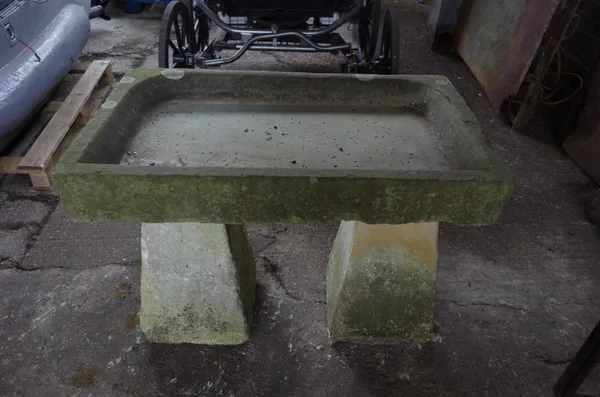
[(56, 31)]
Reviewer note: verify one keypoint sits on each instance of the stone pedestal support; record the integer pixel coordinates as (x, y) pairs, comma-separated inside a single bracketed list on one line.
[(381, 282), (197, 284)]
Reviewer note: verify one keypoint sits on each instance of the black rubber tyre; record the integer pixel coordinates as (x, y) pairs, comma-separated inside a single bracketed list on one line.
[(201, 25), (368, 28), (389, 56), (176, 37), (202, 30)]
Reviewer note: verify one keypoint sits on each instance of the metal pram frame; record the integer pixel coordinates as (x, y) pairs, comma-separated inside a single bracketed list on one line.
[(269, 25)]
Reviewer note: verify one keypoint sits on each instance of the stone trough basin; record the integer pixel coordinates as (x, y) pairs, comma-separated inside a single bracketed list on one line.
[(195, 155)]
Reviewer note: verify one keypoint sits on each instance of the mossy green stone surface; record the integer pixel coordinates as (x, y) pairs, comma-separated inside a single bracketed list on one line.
[(393, 302), (384, 291), (94, 185), (272, 199)]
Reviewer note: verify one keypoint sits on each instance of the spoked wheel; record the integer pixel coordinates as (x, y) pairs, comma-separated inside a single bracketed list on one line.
[(201, 25), (389, 56), (202, 30), (368, 28), (176, 36)]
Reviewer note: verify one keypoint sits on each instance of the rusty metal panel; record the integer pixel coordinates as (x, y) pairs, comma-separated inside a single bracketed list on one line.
[(498, 40)]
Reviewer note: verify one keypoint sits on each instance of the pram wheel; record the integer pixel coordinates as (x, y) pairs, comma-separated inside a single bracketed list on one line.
[(368, 28), (389, 56), (201, 25), (176, 41), (268, 25), (202, 31)]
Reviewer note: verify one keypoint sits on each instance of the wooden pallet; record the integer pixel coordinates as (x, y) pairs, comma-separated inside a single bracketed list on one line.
[(60, 121)]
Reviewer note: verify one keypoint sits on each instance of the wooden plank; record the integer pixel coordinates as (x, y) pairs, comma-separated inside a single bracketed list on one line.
[(94, 103), (41, 180), (44, 147)]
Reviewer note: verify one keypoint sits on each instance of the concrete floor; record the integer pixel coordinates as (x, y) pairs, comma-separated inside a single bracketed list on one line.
[(515, 300)]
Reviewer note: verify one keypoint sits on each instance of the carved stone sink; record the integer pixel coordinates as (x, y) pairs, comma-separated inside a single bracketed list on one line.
[(236, 147), (197, 154)]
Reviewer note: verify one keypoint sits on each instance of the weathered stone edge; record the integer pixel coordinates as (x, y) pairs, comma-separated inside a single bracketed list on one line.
[(94, 195), (243, 257), (491, 171), (437, 90)]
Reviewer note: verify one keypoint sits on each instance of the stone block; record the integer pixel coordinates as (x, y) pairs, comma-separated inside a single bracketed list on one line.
[(381, 282), (197, 283)]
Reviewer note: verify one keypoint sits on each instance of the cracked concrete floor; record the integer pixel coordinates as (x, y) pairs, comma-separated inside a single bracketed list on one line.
[(515, 300)]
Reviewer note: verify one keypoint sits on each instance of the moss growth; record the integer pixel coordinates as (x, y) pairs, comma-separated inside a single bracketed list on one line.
[(82, 379), (386, 295), (270, 199), (94, 187), (188, 327), (175, 313)]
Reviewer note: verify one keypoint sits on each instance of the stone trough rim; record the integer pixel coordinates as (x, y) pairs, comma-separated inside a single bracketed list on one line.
[(496, 171)]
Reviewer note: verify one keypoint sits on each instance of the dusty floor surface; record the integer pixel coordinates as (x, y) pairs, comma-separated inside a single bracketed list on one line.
[(515, 300)]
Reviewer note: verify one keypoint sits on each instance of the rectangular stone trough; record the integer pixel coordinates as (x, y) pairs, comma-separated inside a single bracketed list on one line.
[(238, 147), (195, 155)]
